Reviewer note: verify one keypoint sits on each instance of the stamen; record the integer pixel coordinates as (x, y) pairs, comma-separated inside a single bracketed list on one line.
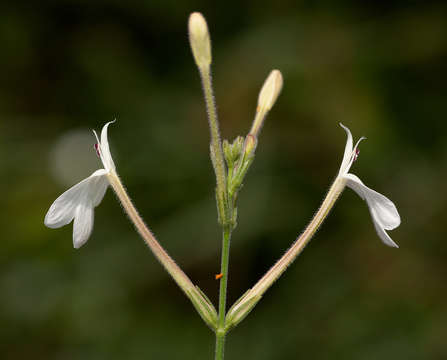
[(356, 151), (97, 150)]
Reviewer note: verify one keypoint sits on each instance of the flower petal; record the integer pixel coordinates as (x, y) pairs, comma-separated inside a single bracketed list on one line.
[(90, 190), (382, 209), (384, 236), (383, 212), (106, 157), (83, 224), (98, 186), (348, 151)]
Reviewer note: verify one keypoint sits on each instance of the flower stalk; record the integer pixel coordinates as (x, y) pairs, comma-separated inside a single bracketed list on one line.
[(300, 243), (246, 303), (200, 42), (199, 300)]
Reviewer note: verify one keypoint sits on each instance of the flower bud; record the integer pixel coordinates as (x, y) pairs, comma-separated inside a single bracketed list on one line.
[(233, 151), (199, 39), (267, 97), (270, 91)]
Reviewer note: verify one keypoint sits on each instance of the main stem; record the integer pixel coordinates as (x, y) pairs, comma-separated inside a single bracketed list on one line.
[(220, 332), (225, 212)]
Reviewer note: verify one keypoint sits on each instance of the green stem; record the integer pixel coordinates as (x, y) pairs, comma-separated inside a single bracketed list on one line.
[(225, 211), (220, 345), (220, 332)]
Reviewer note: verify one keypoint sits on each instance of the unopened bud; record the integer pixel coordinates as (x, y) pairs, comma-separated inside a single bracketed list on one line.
[(270, 91), (267, 97), (233, 151), (199, 39)]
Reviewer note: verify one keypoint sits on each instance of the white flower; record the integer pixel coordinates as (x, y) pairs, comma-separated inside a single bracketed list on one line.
[(383, 212), (79, 201)]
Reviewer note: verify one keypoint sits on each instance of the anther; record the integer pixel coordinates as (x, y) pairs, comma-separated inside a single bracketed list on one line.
[(356, 154), (97, 150)]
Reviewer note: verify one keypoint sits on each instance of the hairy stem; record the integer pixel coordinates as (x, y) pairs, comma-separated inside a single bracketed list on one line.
[(249, 300), (281, 265), (199, 300), (217, 156)]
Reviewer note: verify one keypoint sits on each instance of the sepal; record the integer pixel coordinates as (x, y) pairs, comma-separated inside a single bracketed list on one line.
[(203, 306), (241, 309)]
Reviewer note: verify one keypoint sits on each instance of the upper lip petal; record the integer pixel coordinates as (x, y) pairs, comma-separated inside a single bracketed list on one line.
[(104, 150), (350, 152)]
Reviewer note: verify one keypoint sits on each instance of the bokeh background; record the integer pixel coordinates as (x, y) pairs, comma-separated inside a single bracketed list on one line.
[(69, 66)]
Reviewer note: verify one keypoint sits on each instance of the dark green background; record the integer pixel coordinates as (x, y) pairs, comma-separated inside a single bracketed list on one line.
[(69, 66)]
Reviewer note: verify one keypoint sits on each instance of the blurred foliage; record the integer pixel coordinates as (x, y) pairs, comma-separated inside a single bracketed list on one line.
[(379, 67)]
